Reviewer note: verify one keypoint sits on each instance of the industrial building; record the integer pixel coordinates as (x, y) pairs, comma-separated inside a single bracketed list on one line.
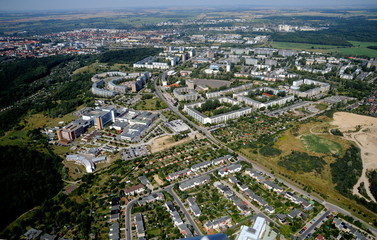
[(253, 233)]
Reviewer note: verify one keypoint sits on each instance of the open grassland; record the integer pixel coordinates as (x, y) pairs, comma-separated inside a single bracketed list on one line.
[(101, 67), (19, 136), (358, 48), (312, 138), (317, 144), (150, 104)]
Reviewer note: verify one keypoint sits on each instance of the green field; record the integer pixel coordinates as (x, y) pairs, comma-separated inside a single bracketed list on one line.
[(150, 104), (358, 49), (317, 144)]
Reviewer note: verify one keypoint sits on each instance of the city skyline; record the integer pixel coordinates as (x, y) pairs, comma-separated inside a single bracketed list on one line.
[(23, 5)]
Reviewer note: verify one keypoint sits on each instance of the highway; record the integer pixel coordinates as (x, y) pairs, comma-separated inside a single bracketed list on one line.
[(328, 206)]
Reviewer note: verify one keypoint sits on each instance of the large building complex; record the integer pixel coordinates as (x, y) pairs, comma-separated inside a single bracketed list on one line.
[(101, 117), (150, 63), (190, 110), (185, 94), (109, 84), (320, 87), (227, 91), (242, 97), (253, 233)]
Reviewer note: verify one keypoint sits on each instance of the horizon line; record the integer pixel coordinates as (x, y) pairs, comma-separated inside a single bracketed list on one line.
[(193, 7)]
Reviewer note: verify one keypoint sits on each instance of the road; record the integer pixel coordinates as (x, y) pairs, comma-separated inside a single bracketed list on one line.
[(314, 225), (176, 111), (128, 232), (184, 210), (329, 206), (257, 210), (127, 217)]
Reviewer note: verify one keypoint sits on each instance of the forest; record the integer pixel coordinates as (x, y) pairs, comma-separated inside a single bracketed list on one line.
[(347, 170), (300, 162), (30, 174), (372, 176), (28, 178), (61, 92), (340, 31)]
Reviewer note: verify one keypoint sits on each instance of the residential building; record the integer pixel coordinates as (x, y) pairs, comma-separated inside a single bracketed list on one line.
[(320, 88), (185, 94), (194, 207), (140, 231), (200, 166), (218, 223), (230, 169), (194, 182), (151, 198), (137, 189)]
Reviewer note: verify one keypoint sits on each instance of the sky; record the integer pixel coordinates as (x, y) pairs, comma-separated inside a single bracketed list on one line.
[(28, 5)]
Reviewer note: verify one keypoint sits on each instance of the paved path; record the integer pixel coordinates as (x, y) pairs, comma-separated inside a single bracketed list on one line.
[(316, 222)]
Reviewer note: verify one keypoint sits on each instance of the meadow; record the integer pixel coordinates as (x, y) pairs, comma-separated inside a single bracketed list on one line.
[(358, 48)]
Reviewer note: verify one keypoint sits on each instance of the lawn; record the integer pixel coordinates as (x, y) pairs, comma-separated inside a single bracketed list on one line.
[(101, 67), (150, 104), (317, 144), (358, 49)]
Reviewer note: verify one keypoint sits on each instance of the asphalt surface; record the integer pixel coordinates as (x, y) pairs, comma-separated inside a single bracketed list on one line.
[(188, 216), (127, 217), (314, 225)]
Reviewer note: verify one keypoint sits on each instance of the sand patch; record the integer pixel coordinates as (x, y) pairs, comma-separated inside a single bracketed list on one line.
[(166, 142), (349, 121), (365, 138), (158, 180)]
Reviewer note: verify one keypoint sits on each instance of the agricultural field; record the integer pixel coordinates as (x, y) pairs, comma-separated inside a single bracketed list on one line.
[(358, 48)]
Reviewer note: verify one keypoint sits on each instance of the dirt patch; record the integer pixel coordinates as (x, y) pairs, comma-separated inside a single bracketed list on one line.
[(349, 121), (158, 180), (166, 142), (365, 138)]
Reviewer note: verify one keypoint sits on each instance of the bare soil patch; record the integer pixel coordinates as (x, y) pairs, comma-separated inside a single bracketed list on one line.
[(363, 131), (166, 142)]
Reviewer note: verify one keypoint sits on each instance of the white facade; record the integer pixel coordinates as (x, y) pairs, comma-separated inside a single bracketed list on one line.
[(190, 110), (254, 233), (321, 88)]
